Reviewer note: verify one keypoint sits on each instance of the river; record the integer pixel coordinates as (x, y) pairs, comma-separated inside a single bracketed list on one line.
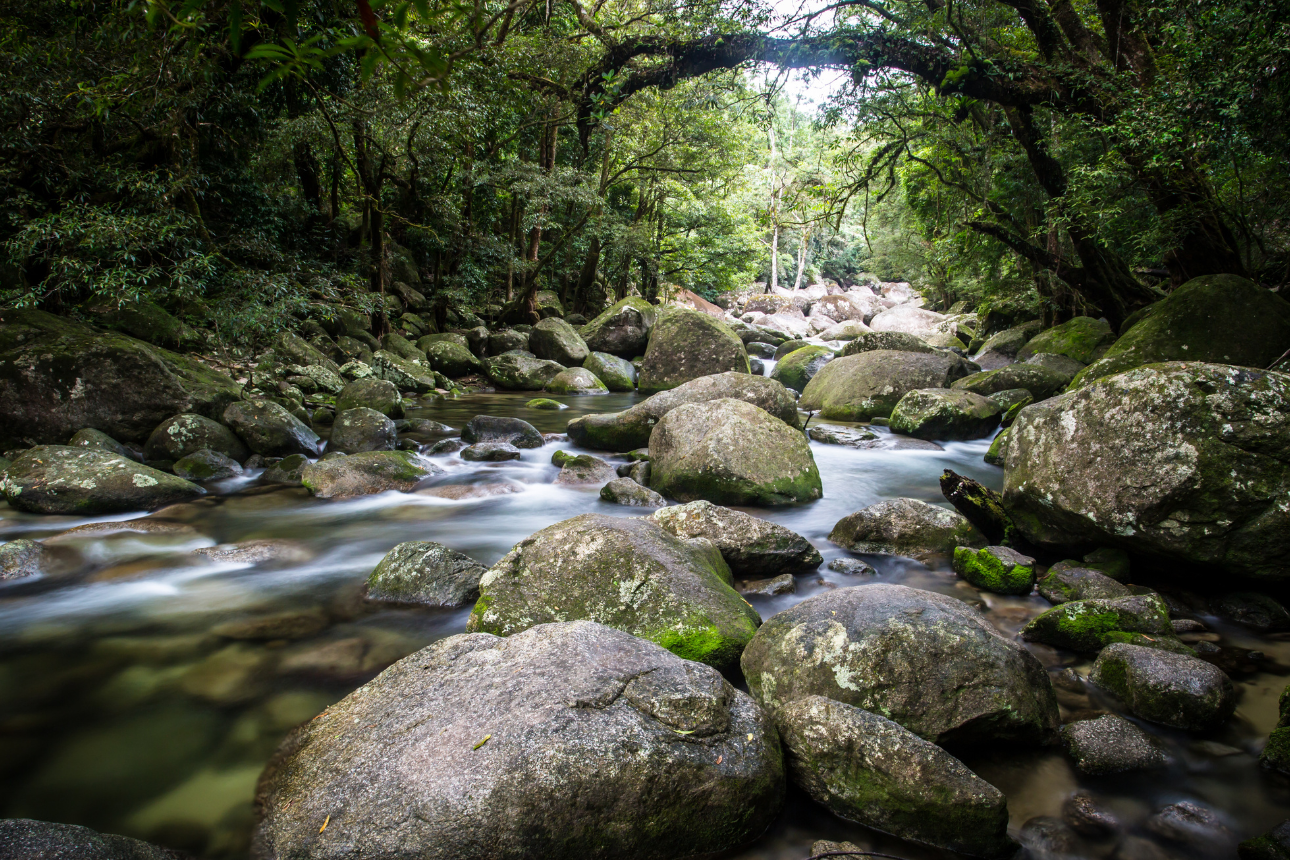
[(143, 694)]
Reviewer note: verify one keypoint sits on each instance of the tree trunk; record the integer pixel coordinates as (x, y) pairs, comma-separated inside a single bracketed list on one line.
[(801, 256), (309, 173)]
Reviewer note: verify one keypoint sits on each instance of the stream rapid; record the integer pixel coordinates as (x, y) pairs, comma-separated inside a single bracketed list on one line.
[(144, 694)]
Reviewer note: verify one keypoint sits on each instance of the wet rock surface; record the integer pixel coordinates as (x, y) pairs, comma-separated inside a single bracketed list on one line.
[(905, 527), (1163, 687), (753, 547), (58, 479), (869, 384), (428, 573), (1111, 744)]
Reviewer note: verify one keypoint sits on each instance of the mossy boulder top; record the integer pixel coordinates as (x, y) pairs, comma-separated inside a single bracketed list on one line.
[(945, 413), (425, 572), (516, 372), (379, 394), (452, 359), (366, 473), (182, 435), (1042, 382), (909, 527), (929, 662), (631, 429), (60, 479), (897, 340), (512, 431), (730, 452), (623, 329), (627, 573), (685, 345), (869, 384), (1090, 625), (797, 368), (576, 380), (555, 340), (1223, 319), (1083, 339), (58, 377), (405, 373), (1183, 461), (1172, 689), (616, 373), (568, 740), (293, 349), (458, 338), (269, 429), (999, 569), (361, 429), (143, 319), (753, 547)]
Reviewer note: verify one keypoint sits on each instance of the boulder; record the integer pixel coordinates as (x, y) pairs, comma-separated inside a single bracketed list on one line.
[(362, 429), (99, 441), (1068, 580), (753, 547), (271, 430), (402, 347), (550, 743), (930, 326), (625, 491), (782, 584), (1090, 625), (1068, 367), (631, 429), (576, 380), (545, 403), (1224, 319), (1256, 611), (326, 379), (627, 573), (945, 413), (506, 340), (58, 376), (1082, 339), (22, 558), (206, 465), (58, 479), (24, 839), (616, 373), (871, 770), (366, 473), (848, 307), (893, 340), (797, 368), (452, 360), (490, 452), (730, 452), (1111, 744), (548, 304), (513, 431), (371, 393), (623, 329), (1040, 381), (427, 573), (293, 349), (998, 569), (929, 662), (407, 375), (685, 345), (849, 330), (577, 469), (430, 340), (555, 340), (906, 527), (1008, 343), (521, 372), (759, 350), (143, 319), (1180, 461), (288, 470), (1163, 687), (869, 384)]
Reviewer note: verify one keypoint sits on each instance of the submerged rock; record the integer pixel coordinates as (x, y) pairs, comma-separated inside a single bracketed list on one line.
[(905, 527), (288, 470), (631, 429), (869, 384), (627, 573), (366, 473), (930, 662), (1171, 689), (869, 769), (1090, 625), (730, 452), (425, 572), (944, 413), (1199, 444), (581, 469), (58, 479), (685, 345), (480, 748), (271, 430), (1111, 744), (753, 547), (22, 558)]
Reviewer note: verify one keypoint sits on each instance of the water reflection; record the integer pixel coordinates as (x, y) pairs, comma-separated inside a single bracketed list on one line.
[(142, 692)]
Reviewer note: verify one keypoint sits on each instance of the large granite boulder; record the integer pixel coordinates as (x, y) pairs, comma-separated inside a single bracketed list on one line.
[(1042, 382), (623, 329), (616, 373), (1224, 319), (405, 373), (371, 393), (24, 839), (934, 328), (945, 413), (58, 376), (517, 372), (799, 367), (452, 359), (293, 349), (425, 572), (631, 429), (628, 573), (754, 548), (732, 453), (907, 527), (1083, 339), (366, 473), (1182, 461), (929, 662), (1173, 689), (512, 431), (568, 741), (143, 319), (869, 384), (555, 340), (362, 429), (269, 429), (896, 340), (60, 479), (871, 770), (685, 345), (185, 434), (848, 306)]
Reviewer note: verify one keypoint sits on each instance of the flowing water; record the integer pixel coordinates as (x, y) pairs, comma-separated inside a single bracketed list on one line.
[(142, 692)]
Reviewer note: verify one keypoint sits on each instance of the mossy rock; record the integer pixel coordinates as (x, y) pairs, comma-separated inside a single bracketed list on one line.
[(142, 319), (1088, 626), (458, 338), (405, 374), (1041, 382), (555, 340), (452, 359), (206, 466), (576, 380), (1224, 319), (868, 385), (1276, 752), (1172, 689), (997, 569), (366, 473), (629, 574), (797, 368), (685, 345), (59, 479), (616, 373), (361, 429), (998, 450), (893, 340), (425, 572), (545, 403), (371, 393), (520, 372), (100, 441), (1067, 581), (1083, 339), (908, 527), (623, 329), (1010, 341), (268, 428), (944, 413)]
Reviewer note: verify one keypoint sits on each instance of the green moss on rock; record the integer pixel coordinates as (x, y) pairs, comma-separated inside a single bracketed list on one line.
[(996, 568)]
